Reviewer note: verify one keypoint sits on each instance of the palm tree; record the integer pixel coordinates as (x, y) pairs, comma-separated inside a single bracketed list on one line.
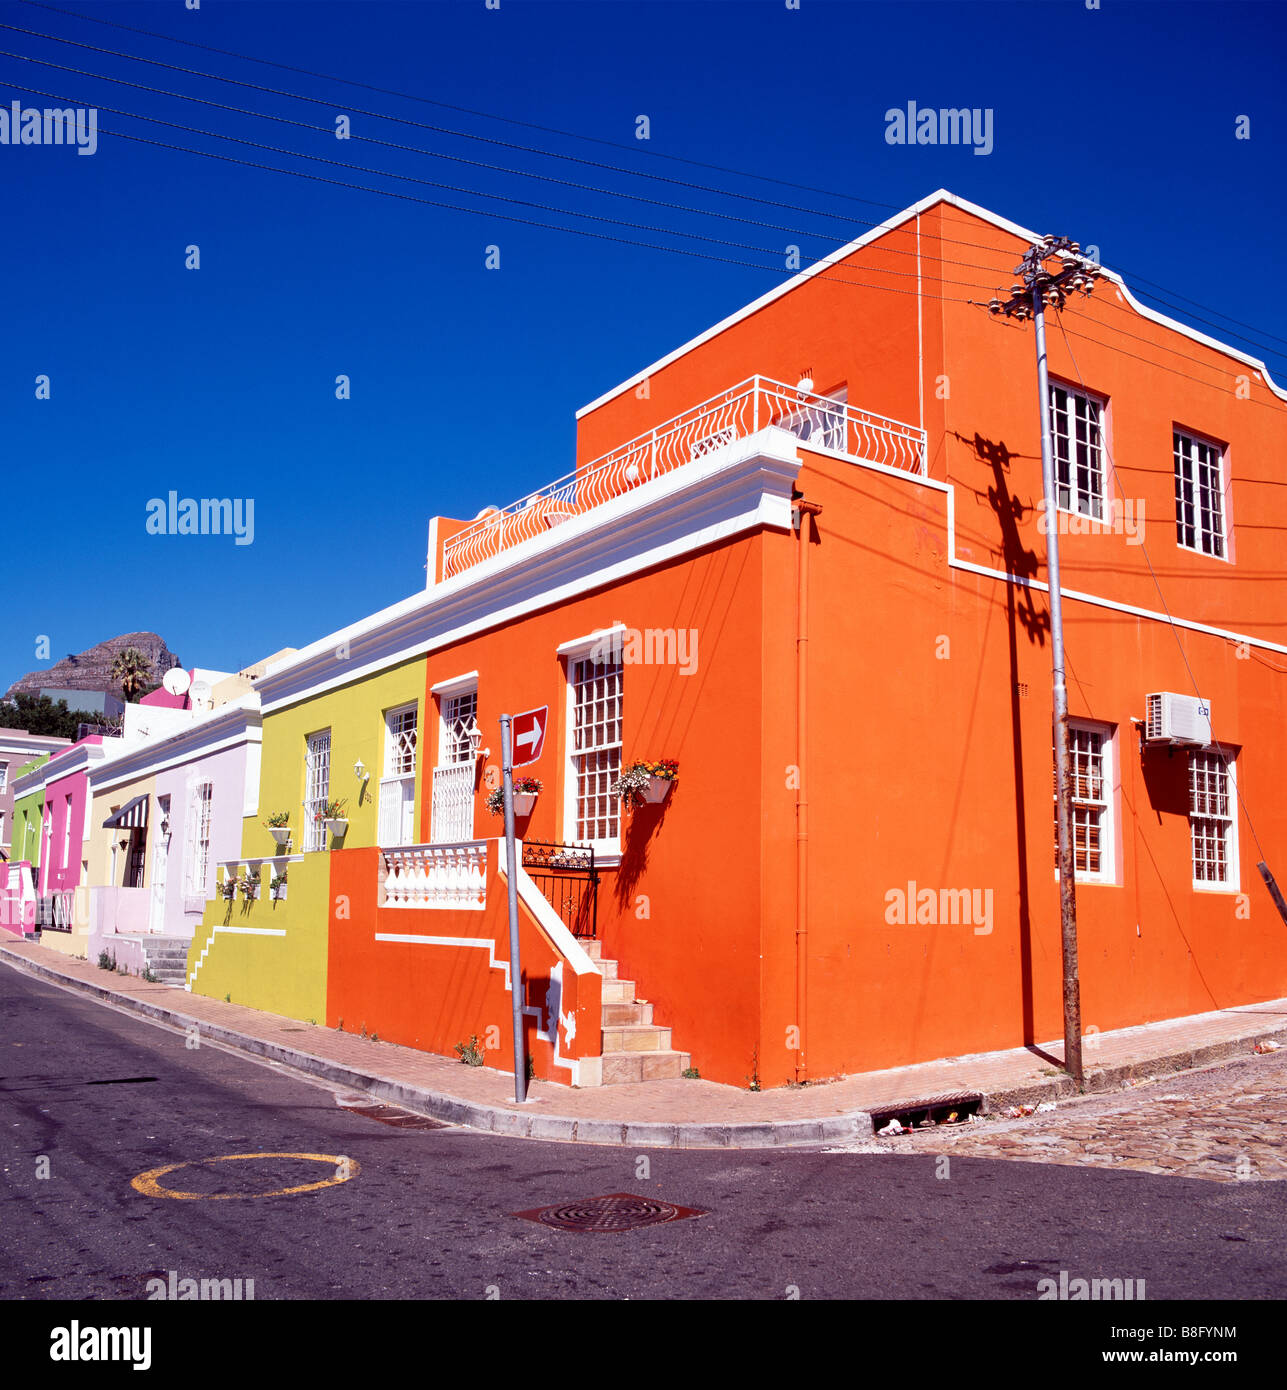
[(132, 671)]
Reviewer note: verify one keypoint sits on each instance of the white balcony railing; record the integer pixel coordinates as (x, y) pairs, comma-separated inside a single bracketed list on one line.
[(818, 421), (441, 876)]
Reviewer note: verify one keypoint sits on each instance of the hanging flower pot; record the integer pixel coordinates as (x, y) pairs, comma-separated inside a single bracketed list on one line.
[(331, 815), (657, 790), (280, 833), (645, 783), (526, 790)]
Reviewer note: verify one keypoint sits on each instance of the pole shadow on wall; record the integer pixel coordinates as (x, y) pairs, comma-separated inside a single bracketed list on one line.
[(1021, 613)]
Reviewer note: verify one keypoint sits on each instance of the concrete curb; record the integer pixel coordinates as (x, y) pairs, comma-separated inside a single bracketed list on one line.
[(490, 1119), (1116, 1076), (852, 1126)]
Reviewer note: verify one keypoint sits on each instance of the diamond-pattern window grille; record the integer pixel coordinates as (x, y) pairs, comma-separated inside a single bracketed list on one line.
[(458, 714), (400, 743)]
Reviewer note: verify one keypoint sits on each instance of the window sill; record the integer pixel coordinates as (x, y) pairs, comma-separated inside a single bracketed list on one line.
[(1203, 554)]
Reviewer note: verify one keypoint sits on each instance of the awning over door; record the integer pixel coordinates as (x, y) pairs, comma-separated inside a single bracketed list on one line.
[(131, 816)]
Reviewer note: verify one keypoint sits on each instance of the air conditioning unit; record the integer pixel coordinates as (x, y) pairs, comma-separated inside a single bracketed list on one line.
[(1177, 719)]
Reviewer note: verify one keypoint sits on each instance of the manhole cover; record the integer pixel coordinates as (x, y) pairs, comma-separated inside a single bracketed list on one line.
[(618, 1211)]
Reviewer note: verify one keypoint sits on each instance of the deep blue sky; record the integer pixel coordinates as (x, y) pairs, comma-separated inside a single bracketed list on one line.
[(220, 382)]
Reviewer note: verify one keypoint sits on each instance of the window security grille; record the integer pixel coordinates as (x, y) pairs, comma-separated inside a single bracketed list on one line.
[(398, 787), (317, 788), (458, 715)]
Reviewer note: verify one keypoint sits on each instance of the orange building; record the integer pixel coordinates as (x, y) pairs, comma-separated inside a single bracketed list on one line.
[(804, 556)]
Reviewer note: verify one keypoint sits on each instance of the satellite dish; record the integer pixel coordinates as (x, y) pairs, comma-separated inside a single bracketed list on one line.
[(200, 693), (176, 681)]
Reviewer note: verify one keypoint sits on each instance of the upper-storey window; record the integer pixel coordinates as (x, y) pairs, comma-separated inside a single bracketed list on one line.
[(1076, 428), (454, 776), (1199, 494)]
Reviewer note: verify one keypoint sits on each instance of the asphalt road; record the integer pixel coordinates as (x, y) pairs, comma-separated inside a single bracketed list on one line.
[(104, 1097)]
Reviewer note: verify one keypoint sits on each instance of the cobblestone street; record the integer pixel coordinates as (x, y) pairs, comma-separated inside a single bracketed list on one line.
[(1226, 1123)]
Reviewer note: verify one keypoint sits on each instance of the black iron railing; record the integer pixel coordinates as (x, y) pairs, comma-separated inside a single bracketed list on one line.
[(569, 880)]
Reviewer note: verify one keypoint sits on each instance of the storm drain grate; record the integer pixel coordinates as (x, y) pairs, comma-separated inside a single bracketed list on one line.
[(618, 1211), (930, 1111), (387, 1114)]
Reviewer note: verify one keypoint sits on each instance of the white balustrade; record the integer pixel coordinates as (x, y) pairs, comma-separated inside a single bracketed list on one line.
[(818, 421), (436, 876)]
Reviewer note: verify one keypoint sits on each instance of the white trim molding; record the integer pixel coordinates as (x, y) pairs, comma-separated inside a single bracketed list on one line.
[(457, 685), (743, 487), (891, 224)]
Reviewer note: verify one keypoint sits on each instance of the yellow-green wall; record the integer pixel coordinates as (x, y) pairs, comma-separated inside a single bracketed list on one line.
[(287, 974)]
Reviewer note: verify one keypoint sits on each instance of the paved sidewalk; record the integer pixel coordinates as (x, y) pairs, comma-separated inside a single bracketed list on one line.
[(672, 1114)]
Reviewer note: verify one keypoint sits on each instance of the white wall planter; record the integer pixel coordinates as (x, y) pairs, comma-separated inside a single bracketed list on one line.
[(280, 833), (523, 803), (337, 827), (657, 790)]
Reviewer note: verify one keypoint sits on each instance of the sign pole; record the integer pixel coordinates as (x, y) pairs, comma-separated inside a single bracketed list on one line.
[(511, 864)]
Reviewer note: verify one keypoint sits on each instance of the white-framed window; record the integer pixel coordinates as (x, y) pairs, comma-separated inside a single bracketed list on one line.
[(199, 838), (451, 810), (1199, 494), (317, 787), (4, 776), (1076, 432), (1091, 784), (595, 707), (459, 713), (1213, 821), (398, 785)]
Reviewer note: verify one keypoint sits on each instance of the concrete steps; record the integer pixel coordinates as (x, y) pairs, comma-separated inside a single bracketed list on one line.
[(167, 958), (634, 1047)]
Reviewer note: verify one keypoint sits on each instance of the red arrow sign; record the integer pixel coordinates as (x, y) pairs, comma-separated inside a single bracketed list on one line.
[(529, 735)]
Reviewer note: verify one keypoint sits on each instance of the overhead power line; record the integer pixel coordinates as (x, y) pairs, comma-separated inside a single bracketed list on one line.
[(599, 140), (303, 125), (464, 110), (459, 134), (458, 159)]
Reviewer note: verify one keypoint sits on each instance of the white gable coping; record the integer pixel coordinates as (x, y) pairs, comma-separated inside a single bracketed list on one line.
[(890, 223)]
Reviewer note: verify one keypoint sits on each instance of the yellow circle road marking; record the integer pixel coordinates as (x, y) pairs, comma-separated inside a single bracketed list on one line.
[(150, 1186)]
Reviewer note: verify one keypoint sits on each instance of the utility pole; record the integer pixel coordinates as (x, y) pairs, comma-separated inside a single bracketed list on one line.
[(511, 871), (1038, 287)]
